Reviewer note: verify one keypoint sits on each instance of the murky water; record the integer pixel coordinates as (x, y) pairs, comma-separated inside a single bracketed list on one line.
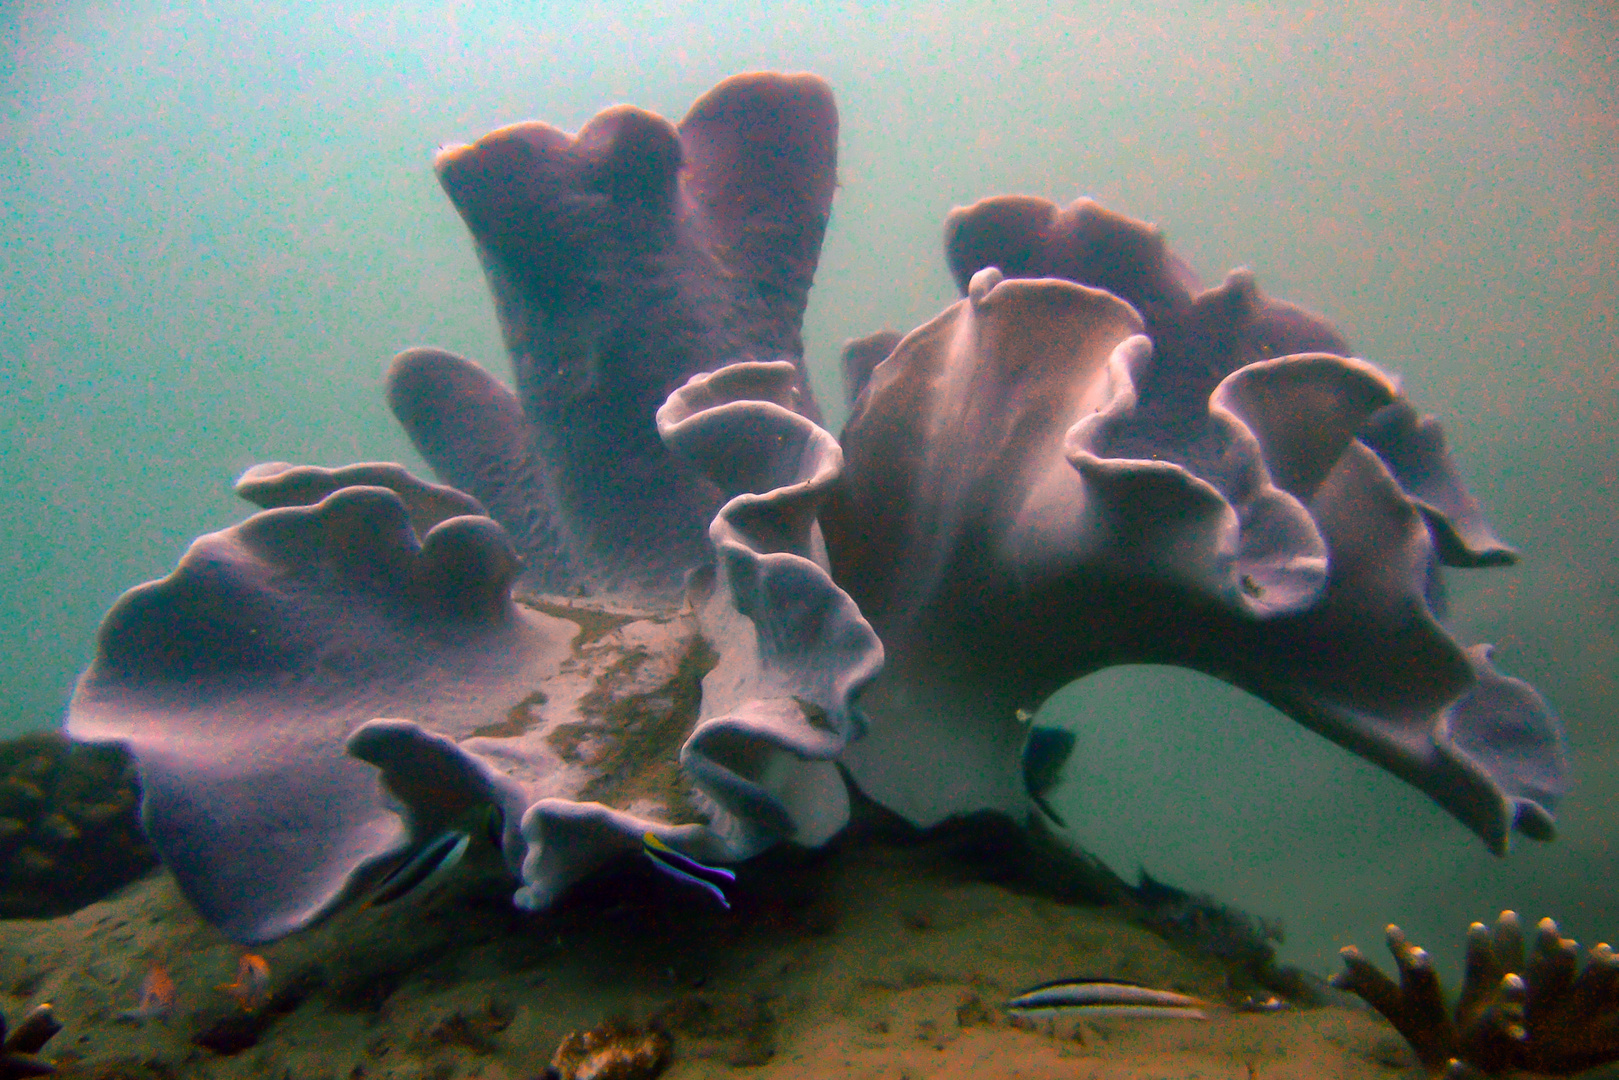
[(220, 225)]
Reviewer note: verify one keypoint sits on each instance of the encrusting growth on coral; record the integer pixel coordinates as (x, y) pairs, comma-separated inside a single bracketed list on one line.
[(611, 1051), (1547, 1016)]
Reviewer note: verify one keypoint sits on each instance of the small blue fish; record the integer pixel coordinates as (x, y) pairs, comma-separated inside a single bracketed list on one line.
[(687, 870), (1102, 999), (430, 863)]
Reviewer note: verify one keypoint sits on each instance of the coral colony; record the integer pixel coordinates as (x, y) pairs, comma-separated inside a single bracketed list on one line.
[(638, 609), (1549, 1016)]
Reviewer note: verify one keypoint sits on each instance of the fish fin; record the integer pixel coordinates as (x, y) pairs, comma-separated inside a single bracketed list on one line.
[(1046, 809)]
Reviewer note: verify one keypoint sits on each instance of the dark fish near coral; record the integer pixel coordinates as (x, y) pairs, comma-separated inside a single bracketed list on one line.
[(688, 871), (1202, 923), (1045, 752), (431, 862), (1102, 999)]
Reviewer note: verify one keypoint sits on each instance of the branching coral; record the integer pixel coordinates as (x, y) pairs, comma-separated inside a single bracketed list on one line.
[(1545, 1015)]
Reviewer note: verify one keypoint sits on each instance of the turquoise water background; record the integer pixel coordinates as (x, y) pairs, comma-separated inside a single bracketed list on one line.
[(221, 222)]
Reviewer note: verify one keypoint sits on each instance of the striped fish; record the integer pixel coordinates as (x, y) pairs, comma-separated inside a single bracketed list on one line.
[(688, 871), (422, 869), (1102, 999)]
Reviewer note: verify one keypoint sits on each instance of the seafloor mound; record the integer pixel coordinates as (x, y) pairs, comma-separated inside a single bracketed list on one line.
[(888, 951)]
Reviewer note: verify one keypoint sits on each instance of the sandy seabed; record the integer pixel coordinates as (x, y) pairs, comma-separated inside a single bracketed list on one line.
[(874, 960)]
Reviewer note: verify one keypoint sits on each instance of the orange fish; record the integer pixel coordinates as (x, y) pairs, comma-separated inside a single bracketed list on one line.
[(157, 996), (252, 986)]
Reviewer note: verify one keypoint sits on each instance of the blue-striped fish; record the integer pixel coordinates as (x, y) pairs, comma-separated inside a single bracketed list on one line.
[(422, 869), (1102, 999), (688, 871)]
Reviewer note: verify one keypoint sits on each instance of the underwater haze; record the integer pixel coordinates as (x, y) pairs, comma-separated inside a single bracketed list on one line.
[(221, 222)]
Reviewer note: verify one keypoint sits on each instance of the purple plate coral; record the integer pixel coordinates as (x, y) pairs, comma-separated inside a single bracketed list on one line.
[(1089, 461), (654, 587)]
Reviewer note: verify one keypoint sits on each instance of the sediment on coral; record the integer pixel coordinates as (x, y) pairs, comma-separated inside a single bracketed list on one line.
[(1543, 1013), (69, 833)]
